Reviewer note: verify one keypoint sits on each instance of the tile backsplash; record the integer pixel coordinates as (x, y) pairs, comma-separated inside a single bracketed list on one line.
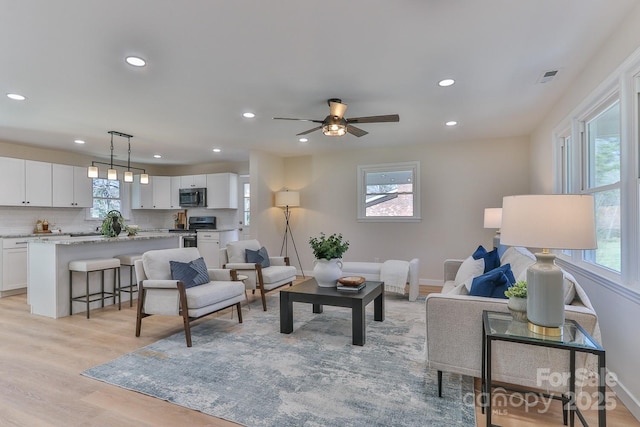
[(21, 220)]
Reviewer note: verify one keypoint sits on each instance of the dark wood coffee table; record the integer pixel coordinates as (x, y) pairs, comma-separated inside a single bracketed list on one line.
[(309, 292)]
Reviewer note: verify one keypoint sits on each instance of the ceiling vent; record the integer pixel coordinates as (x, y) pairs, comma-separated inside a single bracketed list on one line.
[(547, 76)]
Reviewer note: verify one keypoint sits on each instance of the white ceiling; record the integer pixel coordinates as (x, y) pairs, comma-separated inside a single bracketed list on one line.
[(209, 61)]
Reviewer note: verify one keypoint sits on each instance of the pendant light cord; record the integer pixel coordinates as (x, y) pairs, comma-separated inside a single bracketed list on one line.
[(111, 150)]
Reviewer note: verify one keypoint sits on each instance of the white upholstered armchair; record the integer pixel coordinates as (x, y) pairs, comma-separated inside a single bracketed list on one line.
[(278, 273), (161, 294)]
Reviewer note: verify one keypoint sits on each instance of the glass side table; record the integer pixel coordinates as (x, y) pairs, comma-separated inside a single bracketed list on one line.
[(497, 326)]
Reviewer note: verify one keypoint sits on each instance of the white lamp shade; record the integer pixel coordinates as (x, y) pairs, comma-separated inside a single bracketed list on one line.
[(112, 174), (128, 176), (287, 198), (550, 221), (492, 217), (92, 171), (144, 178)]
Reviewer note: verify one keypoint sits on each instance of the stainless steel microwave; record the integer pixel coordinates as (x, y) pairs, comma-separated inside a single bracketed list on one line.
[(193, 197)]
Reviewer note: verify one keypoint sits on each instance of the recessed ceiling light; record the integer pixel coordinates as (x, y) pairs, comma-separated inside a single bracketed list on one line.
[(248, 115), (217, 150), (136, 61), (304, 140), (79, 141), (446, 82), (451, 123), (157, 156), (16, 96)]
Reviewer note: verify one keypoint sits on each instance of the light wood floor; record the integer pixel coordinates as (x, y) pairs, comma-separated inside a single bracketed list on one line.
[(41, 360)]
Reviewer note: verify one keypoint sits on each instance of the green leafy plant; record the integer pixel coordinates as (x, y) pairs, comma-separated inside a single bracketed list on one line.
[(518, 290), (111, 218), (328, 247)]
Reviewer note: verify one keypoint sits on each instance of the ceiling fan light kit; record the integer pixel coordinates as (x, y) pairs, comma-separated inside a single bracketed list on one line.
[(335, 124)]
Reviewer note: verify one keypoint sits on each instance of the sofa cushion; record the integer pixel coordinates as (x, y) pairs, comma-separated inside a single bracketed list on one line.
[(491, 258), (469, 268), (258, 257), (569, 283), (213, 293), (520, 259), (191, 273), (276, 273), (493, 283), (236, 250)]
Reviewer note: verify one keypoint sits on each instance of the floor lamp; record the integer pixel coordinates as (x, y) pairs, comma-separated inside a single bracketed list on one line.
[(286, 200)]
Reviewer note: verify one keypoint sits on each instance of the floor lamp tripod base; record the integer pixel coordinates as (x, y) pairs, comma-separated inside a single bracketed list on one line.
[(285, 240)]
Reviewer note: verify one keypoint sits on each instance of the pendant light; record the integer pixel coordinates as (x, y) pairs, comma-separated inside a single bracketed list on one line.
[(128, 175), (112, 174)]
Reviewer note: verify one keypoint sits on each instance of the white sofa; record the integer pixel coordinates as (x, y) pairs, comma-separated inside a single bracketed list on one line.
[(372, 271), (454, 330)]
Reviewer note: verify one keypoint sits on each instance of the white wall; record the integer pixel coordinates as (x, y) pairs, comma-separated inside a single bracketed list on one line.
[(457, 182), (618, 309)]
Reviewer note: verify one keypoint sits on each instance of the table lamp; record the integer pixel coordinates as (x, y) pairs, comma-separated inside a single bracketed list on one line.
[(493, 219), (552, 221)]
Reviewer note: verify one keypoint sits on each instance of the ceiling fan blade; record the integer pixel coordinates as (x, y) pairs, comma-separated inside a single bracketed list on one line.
[(309, 131), (375, 119), (337, 109), (300, 120), (356, 131)]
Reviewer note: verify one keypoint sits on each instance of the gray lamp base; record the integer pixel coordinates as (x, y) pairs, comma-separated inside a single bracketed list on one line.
[(545, 294)]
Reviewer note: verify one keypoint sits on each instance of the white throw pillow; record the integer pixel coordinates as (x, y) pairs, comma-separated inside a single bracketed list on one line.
[(470, 268), (520, 259), (569, 287)]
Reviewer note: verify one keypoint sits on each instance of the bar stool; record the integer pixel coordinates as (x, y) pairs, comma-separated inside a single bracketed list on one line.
[(90, 265), (128, 260)]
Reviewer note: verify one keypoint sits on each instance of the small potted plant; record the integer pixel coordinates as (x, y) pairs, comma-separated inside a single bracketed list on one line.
[(517, 304), (327, 268), (113, 224)]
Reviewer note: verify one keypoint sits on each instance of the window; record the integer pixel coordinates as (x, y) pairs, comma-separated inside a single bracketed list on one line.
[(601, 171), (389, 192), (106, 197), (246, 198)]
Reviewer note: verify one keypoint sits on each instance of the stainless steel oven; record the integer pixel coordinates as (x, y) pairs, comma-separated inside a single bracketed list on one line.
[(189, 241)]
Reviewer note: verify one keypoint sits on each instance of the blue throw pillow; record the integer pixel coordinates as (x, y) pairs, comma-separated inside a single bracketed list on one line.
[(258, 257), (491, 259), (192, 273), (494, 283)]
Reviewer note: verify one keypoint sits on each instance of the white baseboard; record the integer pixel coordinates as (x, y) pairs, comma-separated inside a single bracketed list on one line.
[(629, 400)]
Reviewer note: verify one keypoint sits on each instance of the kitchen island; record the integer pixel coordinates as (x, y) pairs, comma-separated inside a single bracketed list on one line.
[(48, 266)]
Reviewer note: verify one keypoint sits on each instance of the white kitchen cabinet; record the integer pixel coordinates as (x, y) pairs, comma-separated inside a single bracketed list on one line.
[(193, 181), (30, 182), (210, 242), (142, 194), (161, 190), (14, 264), (176, 181), (222, 191), (71, 187)]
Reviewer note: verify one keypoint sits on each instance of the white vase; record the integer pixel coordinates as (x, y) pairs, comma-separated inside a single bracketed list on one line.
[(518, 308), (327, 272)]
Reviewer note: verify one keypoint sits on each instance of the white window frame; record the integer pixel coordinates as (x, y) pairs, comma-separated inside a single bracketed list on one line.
[(363, 170), (125, 200), (623, 83)]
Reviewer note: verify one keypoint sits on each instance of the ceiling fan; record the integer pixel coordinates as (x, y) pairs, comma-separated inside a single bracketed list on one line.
[(335, 124)]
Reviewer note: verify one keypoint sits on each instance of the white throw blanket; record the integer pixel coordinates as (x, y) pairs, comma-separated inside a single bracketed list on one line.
[(394, 274)]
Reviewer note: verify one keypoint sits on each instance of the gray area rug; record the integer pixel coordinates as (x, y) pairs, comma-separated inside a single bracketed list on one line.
[(253, 375)]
